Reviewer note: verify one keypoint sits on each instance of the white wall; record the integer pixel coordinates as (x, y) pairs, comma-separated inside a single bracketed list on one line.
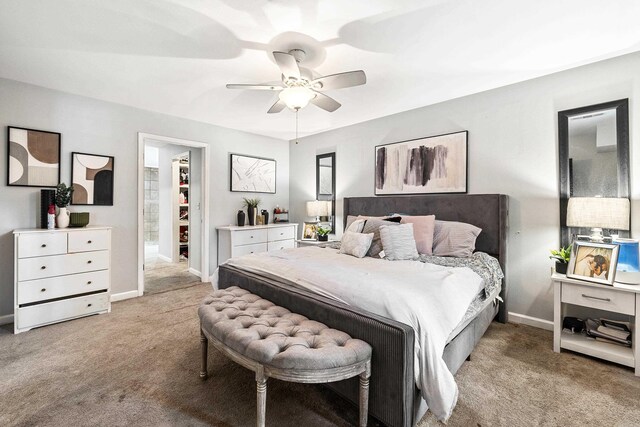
[(512, 150), (92, 126), (151, 157)]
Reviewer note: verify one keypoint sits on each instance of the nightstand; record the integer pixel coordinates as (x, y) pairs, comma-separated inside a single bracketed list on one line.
[(301, 243), (619, 298)]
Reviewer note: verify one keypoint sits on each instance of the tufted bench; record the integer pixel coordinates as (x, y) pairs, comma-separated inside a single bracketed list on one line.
[(273, 342)]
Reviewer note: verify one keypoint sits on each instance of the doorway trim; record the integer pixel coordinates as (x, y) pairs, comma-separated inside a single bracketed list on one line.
[(204, 259)]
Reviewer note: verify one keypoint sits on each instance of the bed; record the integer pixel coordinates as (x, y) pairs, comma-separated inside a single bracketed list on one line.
[(395, 399)]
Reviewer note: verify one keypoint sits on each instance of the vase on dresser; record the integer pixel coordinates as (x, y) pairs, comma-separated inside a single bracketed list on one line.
[(252, 213), (62, 219)]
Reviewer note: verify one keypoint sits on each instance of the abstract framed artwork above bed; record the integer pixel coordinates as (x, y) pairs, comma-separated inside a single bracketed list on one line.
[(435, 164)]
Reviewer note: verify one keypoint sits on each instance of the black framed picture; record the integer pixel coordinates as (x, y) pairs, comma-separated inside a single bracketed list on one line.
[(92, 179), (436, 164), (33, 157), (251, 174)]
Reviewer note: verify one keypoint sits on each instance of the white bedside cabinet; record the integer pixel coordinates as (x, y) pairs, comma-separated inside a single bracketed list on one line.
[(236, 241), (60, 274), (619, 298)]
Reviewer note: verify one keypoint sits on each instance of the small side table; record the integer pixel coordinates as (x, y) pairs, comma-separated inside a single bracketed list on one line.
[(619, 298), (302, 243)]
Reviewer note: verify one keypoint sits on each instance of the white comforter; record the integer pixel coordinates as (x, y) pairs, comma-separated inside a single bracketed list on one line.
[(429, 298)]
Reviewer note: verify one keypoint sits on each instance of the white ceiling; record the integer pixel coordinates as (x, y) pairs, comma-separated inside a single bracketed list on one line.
[(175, 56)]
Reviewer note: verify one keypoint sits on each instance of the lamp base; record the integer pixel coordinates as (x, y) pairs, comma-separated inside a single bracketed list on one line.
[(596, 235), (628, 277)]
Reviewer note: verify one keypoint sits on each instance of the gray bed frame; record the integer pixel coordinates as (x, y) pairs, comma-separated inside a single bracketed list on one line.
[(394, 399)]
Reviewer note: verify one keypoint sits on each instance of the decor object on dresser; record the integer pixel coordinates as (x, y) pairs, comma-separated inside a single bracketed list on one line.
[(241, 218), (79, 219), (233, 320), (598, 213), (562, 257), (47, 198), (235, 241), (252, 209), (309, 231), (436, 164), (63, 196), (619, 299), (60, 275), (92, 179), (251, 174), (594, 262), (34, 158)]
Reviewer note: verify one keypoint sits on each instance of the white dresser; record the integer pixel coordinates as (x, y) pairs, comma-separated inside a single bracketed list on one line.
[(235, 241), (60, 275)]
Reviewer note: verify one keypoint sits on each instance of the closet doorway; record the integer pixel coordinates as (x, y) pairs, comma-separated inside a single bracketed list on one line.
[(173, 213)]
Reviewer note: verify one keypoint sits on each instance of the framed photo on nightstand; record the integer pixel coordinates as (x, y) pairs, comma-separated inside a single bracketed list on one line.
[(593, 262), (310, 231)]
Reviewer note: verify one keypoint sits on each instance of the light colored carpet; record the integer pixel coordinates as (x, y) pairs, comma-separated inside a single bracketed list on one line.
[(162, 276), (139, 366)]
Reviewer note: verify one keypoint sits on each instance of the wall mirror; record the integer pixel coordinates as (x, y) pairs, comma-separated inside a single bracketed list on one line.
[(326, 182), (593, 144)]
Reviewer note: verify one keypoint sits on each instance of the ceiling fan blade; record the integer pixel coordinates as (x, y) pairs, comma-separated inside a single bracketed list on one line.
[(277, 107), (287, 64), (340, 80), (326, 103), (254, 87)]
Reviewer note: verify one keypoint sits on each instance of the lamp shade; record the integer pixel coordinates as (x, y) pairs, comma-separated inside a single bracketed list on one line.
[(318, 208), (296, 97), (598, 212)]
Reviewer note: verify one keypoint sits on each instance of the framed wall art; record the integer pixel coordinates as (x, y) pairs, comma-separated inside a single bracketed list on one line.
[(436, 164), (252, 174), (92, 179), (593, 262), (33, 158)]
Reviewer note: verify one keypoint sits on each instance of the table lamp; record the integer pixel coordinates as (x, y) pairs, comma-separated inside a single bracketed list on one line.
[(321, 209), (598, 213)]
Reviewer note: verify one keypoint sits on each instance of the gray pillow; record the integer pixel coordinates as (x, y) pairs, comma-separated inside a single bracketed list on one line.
[(356, 244), (398, 242), (373, 226), (456, 239)]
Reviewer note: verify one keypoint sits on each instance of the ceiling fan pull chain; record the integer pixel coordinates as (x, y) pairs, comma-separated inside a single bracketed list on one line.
[(297, 125)]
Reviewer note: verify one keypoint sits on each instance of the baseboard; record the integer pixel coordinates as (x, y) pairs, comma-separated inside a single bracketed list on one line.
[(531, 321), (164, 258), (6, 319), (124, 295), (195, 272)]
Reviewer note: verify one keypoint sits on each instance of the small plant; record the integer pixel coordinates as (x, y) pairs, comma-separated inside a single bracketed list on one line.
[(562, 256), (63, 195), (323, 230), (251, 203)]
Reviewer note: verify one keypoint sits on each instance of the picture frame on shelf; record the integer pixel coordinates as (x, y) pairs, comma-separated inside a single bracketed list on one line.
[(432, 165), (33, 158), (92, 179), (593, 262), (310, 230)]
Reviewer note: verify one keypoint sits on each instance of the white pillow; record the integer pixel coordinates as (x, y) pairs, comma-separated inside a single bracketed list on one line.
[(398, 242), (356, 244), (356, 226)]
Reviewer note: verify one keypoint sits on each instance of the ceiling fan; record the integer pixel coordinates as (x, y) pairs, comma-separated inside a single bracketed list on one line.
[(299, 88)]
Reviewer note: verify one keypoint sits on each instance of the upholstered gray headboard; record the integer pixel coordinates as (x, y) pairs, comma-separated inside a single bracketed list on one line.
[(487, 211)]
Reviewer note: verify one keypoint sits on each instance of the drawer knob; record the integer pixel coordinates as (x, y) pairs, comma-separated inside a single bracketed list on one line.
[(89, 262), (88, 305), (43, 290), (44, 245), (89, 242), (89, 282), (252, 237), (598, 298), (43, 267), (282, 234)]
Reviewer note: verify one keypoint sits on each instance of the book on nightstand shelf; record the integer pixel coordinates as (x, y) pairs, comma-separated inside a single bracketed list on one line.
[(610, 331)]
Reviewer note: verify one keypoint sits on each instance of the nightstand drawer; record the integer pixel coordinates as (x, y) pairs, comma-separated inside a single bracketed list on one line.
[(281, 233), (600, 298), (249, 237)]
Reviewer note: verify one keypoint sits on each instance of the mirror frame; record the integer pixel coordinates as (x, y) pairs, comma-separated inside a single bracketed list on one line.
[(332, 197), (622, 149)]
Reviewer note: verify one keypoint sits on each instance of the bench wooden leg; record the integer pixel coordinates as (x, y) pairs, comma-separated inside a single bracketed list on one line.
[(364, 397), (261, 381), (204, 346)]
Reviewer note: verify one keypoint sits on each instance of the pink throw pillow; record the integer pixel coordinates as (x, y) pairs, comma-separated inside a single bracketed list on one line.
[(423, 228)]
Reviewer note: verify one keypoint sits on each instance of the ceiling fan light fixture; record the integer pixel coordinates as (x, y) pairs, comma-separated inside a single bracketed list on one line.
[(296, 97)]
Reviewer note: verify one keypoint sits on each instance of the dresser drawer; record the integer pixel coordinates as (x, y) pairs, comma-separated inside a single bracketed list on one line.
[(88, 240), (58, 265), (281, 244), (249, 237), (281, 233), (249, 249), (601, 298), (41, 314), (62, 286), (39, 244)]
